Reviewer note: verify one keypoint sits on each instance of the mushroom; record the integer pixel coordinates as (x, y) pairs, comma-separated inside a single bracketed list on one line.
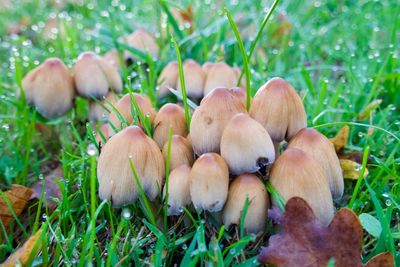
[(194, 79), (210, 118), (178, 190), (238, 72), (168, 78), (246, 146), (114, 172), (181, 152), (294, 174), (169, 116), (279, 109), (209, 181), (113, 58), (142, 41), (318, 147), (125, 108), (100, 112), (50, 88), (251, 187), (94, 76), (219, 75), (206, 67)]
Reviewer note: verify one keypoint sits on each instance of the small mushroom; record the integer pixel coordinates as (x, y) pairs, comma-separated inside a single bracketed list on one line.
[(294, 174), (279, 109), (209, 181), (94, 76), (142, 41), (251, 187), (219, 75), (113, 58), (181, 152), (100, 112), (50, 88), (169, 116), (114, 172), (178, 190), (194, 79), (210, 118), (206, 67), (168, 78), (246, 146), (318, 147), (125, 108)]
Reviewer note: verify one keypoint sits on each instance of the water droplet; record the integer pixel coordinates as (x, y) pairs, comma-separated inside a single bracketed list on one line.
[(126, 213), (232, 251), (184, 247), (357, 167), (91, 150), (6, 127), (202, 248), (388, 202), (44, 216), (41, 177)]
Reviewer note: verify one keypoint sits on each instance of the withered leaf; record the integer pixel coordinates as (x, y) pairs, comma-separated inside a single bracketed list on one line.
[(51, 188), (365, 113), (21, 256), (303, 241), (351, 169), (340, 140), (18, 196)]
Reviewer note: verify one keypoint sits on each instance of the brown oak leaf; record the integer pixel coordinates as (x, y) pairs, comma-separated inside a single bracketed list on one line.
[(303, 241), (51, 188), (340, 140)]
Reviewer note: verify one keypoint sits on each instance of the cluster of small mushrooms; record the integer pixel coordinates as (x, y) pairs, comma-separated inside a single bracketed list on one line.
[(218, 162)]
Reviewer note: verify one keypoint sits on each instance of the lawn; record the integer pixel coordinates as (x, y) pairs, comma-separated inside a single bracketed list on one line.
[(342, 57)]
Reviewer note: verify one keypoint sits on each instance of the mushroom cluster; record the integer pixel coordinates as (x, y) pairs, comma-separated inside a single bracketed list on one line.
[(219, 164)]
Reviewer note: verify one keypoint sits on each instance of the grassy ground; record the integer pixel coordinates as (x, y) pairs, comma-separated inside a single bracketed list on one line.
[(339, 55)]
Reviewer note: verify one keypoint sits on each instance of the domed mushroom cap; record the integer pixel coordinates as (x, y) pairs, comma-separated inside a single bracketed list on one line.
[(94, 76), (294, 174), (246, 146), (251, 187), (238, 72), (209, 181), (112, 58), (50, 87), (178, 190), (219, 75), (207, 66), (279, 109), (194, 79), (143, 41), (168, 78), (210, 118), (99, 112), (169, 116), (116, 180), (318, 147), (125, 108), (181, 152)]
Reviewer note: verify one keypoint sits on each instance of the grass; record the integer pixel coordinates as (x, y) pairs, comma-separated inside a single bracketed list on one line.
[(339, 55)]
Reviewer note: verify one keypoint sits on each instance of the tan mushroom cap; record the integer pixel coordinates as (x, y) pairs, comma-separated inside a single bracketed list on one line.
[(210, 118), (116, 180), (279, 108), (209, 181), (318, 147), (124, 106), (94, 76), (294, 174), (219, 75), (112, 58), (168, 78), (169, 116), (181, 152), (194, 79), (251, 187), (142, 41), (101, 112), (50, 87), (178, 190), (246, 146)]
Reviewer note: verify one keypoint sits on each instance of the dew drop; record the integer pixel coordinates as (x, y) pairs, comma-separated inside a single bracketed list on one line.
[(91, 150), (126, 213)]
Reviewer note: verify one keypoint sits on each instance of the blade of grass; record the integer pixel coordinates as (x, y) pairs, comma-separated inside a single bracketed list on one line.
[(360, 177)]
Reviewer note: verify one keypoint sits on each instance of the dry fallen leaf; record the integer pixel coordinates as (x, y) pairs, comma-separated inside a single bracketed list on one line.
[(303, 241), (340, 140), (351, 169), (18, 196), (365, 113), (51, 188), (21, 256)]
